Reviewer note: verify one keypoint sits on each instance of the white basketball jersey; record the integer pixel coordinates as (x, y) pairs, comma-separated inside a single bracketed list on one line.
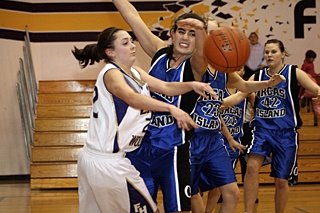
[(114, 125)]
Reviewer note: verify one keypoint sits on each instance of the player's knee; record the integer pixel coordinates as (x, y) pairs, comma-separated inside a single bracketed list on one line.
[(232, 194), (252, 169), (231, 197), (236, 195), (281, 183)]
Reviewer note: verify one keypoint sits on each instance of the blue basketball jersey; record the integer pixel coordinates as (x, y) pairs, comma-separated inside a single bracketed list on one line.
[(234, 118), (206, 113), (163, 131), (210, 162), (277, 107)]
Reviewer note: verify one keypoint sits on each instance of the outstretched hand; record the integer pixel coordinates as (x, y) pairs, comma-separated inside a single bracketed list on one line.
[(191, 22), (205, 90), (183, 119), (276, 79)]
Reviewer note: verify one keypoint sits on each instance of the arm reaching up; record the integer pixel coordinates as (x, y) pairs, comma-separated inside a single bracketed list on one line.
[(148, 41)]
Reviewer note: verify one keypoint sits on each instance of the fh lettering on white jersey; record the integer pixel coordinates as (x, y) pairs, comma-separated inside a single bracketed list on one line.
[(140, 209)]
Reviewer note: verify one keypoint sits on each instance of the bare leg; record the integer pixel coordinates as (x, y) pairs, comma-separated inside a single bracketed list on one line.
[(281, 194), (160, 208), (315, 118), (230, 195), (197, 205), (213, 197), (251, 181)]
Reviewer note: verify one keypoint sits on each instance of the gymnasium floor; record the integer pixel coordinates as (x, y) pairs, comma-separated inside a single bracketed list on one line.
[(17, 197)]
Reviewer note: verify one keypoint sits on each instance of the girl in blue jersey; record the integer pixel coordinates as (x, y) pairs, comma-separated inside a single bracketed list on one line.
[(163, 158), (118, 120), (211, 167), (276, 119), (210, 163), (233, 118)]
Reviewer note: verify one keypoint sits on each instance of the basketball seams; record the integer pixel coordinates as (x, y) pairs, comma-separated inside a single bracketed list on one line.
[(236, 50), (235, 45), (216, 49), (221, 52), (226, 49)]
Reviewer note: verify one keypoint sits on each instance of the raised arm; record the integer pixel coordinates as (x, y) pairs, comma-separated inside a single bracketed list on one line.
[(148, 41)]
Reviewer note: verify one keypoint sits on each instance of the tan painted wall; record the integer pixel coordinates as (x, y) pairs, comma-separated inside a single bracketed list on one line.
[(54, 61)]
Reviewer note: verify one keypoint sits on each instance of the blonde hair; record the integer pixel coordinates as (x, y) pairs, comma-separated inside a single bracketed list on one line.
[(209, 18), (213, 21)]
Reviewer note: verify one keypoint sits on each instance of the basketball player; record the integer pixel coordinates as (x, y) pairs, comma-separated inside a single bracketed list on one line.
[(210, 163), (163, 158), (276, 119), (233, 118), (119, 117), (211, 167)]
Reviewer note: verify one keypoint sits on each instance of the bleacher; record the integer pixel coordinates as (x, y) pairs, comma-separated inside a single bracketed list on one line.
[(62, 121)]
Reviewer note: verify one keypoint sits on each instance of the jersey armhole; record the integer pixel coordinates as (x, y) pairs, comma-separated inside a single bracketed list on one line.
[(295, 94), (158, 54)]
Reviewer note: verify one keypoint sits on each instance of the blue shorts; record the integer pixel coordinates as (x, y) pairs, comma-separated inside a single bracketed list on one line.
[(169, 169), (210, 163), (282, 144)]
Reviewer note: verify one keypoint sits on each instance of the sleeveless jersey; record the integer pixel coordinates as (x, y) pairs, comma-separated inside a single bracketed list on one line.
[(114, 125), (234, 118), (277, 107), (206, 113), (163, 131)]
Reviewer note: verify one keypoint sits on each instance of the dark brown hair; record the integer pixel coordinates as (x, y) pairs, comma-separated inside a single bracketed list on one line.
[(92, 53), (311, 54), (280, 44)]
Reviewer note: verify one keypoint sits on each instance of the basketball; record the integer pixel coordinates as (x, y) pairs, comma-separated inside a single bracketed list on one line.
[(227, 49)]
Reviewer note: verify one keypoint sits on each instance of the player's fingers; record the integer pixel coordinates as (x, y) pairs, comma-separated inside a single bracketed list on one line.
[(208, 89), (191, 124), (185, 126), (191, 22), (242, 148), (283, 78), (179, 124)]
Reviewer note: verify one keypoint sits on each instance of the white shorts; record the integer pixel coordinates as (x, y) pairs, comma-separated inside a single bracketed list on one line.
[(109, 183)]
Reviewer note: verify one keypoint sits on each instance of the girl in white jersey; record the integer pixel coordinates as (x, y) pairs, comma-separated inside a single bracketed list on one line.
[(119, 117), (275, 121), (165, 149)]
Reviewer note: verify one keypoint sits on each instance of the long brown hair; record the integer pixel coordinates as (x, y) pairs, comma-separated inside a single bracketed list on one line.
[(92, 53)]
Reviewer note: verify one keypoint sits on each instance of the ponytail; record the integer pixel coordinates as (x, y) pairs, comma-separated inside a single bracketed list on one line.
[(87, 55), (95, 52)]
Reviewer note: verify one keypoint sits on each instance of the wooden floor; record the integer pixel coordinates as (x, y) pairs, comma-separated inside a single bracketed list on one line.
[(17, 197)]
